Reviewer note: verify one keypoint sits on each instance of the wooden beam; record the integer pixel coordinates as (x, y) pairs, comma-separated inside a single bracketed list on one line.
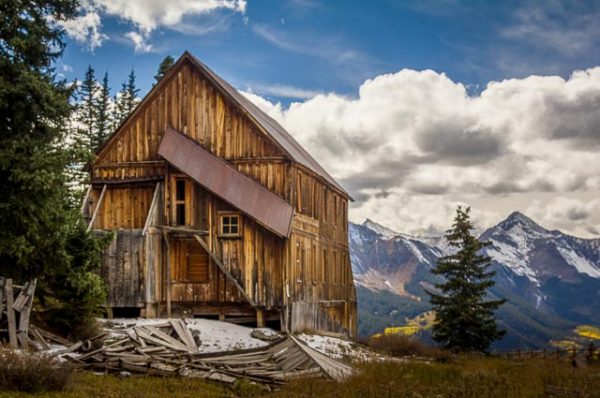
[(97, 209), (260, 318), (23, 331), (1, 296), (224, 270), (166, 237), (10, 312), (151, 210), (126, 181), (84, 204), (183, 230)]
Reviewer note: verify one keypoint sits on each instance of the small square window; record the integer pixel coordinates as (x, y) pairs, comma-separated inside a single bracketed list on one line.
[(230, 225)]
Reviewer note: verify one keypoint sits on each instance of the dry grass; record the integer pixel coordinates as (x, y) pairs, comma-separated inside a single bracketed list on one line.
[(398, 345), (89, 385), (465, 377), (32, 372)]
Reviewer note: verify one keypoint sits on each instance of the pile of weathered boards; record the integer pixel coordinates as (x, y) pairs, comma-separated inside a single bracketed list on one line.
[(169, 349)]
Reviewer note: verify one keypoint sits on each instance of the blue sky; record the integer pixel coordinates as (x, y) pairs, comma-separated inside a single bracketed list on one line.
[(414, 106), (324, 46)]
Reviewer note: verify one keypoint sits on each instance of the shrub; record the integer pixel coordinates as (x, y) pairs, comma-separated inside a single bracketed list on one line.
[(32, 372), (399, 345)]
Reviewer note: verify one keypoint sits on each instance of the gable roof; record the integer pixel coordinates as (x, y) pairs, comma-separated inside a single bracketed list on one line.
[(226, 182), (264, 122), (285, 140)]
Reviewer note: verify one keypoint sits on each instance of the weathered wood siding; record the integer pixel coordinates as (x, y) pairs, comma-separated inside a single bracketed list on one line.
[(319, 273), (122, 269), (308, 275), (121, 207)]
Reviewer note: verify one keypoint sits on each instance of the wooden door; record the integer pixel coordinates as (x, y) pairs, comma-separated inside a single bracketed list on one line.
[(189, 261)]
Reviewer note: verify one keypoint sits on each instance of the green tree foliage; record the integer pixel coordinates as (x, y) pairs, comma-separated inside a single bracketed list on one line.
[(42, 233), (87, 111), (103, 115), (165, 64), (464, 318), (125, 100)]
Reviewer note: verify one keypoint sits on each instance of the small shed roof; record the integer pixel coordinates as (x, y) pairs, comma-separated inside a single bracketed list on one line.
[(224, 181)]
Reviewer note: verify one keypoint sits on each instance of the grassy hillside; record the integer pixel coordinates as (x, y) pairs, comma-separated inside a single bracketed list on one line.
[(464, 377)]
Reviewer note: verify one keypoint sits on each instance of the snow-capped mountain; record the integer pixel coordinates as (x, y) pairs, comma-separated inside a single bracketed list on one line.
[(550, 278)]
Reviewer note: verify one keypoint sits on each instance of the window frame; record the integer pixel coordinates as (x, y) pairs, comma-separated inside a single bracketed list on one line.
[(231, 215)]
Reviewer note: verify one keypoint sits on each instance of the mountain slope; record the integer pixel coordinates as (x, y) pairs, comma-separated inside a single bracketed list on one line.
[(552, 280)]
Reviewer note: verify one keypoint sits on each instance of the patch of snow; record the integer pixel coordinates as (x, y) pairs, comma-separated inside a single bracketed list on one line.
[(514, 258), (338, 348), (379, 229), (581, 264), (215, 336)]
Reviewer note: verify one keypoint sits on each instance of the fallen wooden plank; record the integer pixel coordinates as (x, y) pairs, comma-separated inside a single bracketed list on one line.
[(51, 336), (22, 298), (1, 296), (10, 314), (40, 339), (143, 334), (184, 334), (155, 332), (23, 331), (333, 369)]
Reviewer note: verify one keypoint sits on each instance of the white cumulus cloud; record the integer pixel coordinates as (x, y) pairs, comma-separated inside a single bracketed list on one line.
[(145, 16), (413, 141)]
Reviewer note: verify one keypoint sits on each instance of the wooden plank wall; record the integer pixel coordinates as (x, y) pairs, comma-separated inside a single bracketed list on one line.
[(122, 207), (313, 265), (122, 269), (255, 259), (319, 271), (190, 104)]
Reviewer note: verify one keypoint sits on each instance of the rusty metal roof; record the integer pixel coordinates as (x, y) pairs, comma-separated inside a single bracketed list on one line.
[(285, 140), (224, 181)]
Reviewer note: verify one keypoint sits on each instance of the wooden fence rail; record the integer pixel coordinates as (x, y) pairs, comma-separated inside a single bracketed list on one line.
[(590, 353)]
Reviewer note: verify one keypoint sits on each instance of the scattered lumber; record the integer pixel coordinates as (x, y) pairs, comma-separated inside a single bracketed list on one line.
[(169, 349), (15, 309)]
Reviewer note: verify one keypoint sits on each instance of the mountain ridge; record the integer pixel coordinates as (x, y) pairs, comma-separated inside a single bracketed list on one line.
[(552, 279)]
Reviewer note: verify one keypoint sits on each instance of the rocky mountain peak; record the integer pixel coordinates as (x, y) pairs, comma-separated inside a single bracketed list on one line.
[(519, 220), (380, 229)]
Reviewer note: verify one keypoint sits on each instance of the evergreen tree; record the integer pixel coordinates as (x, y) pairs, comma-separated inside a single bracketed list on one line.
[(43, 234), (132, 93), (165, 64), (125, 100), (103, 115), (87, 110), (464, 319)]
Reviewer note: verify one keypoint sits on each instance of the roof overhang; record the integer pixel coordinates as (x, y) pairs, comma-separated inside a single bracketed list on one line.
[(227, 183)]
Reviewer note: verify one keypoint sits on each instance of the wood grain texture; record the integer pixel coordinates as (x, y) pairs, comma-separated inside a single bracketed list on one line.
[(300, 277)]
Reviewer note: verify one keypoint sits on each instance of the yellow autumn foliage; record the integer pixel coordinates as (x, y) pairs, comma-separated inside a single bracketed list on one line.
[(588, 331)]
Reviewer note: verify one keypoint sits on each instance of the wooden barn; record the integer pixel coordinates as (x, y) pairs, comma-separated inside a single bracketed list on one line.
[(218, 212)]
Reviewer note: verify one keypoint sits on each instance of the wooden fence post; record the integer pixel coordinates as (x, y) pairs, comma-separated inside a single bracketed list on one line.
[(10, 312)]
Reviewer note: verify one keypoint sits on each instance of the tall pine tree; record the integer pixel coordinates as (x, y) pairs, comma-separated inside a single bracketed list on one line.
[(43, 234), (163, 67), (464, 318), (103, 114), (125, 100), (87, 112)]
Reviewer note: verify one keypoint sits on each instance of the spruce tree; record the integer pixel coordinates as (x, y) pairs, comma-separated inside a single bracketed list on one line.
[(125, 100), (88, 110), (165, 64), (464, 318), (43, 234), (103, 115)]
